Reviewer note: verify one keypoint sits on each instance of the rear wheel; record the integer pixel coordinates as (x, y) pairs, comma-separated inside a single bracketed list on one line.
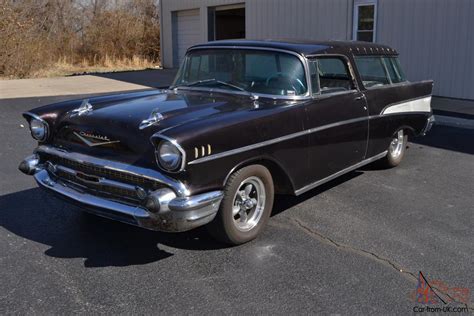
[(246, 206), (396, 150)]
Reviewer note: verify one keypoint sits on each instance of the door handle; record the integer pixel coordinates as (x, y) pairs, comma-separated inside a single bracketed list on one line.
[(359, 98)]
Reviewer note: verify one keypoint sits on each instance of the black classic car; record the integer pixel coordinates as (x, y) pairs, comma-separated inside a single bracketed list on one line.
[(243, 120)]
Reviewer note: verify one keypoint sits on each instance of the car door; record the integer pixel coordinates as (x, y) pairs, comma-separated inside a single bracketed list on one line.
[(337, 118), (384, 85)]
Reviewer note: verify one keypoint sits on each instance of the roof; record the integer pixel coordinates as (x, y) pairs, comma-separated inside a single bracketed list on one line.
[(306, 47)]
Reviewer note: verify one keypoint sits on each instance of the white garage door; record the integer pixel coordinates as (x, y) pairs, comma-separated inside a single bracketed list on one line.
[(186, 33)]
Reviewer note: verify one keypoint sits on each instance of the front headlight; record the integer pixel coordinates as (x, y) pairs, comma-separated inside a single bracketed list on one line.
[(39, 129), (168, 156)]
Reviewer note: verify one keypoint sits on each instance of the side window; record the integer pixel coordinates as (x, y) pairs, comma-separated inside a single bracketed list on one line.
[(372, 71), (333, 75), (394, 70)]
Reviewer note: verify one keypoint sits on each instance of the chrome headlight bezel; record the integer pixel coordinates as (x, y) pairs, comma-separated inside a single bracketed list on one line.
[(169, 156), (39, 129)]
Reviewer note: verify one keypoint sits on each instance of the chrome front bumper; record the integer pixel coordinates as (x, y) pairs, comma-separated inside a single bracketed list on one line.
[(161, 210)]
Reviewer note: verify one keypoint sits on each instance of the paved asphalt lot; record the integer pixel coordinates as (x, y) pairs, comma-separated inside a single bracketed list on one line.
[(353, 246)]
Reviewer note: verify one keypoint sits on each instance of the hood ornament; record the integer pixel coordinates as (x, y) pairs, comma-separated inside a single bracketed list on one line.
[(153, 119), (84, 108), (93, 140)]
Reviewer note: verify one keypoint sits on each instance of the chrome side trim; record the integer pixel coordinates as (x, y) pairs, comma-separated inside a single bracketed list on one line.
[(177, 186), (275, 140), (290, 136), (339, 173)]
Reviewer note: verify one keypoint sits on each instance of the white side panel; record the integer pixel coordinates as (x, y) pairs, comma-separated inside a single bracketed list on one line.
[(418, 105)]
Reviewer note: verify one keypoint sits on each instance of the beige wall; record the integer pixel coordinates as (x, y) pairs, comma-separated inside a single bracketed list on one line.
[(305, 19), (435, 39)]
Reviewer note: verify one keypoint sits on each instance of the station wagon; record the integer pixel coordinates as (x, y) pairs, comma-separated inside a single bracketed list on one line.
[(243, 120)]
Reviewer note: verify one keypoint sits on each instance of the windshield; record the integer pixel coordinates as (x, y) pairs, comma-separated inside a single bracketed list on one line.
[(255, 71)]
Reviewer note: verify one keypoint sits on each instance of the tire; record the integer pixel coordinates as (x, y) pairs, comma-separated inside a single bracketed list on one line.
[(396, 150), (245, 207)]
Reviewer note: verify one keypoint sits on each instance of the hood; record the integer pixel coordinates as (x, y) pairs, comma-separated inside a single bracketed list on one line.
[(174, 108), (113, 123)]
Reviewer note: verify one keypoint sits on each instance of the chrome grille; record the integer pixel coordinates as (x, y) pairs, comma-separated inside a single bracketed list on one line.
[(98, 188), (106, 173), (122, 185)]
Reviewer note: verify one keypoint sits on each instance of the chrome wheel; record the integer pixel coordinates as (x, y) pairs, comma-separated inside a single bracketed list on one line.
[(396, 146), (248, 204)]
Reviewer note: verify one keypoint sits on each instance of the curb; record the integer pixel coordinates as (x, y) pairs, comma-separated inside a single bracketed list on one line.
[(453, 121), (453, 114)]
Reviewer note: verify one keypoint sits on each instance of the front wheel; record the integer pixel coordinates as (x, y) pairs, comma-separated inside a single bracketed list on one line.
[(246, 206), (396, 150)]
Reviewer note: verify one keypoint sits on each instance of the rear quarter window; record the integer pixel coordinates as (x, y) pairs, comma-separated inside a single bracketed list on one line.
[(372, 72), (394, 69), (376, 71)]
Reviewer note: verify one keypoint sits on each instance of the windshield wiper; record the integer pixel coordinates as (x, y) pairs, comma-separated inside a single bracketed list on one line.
[(196, 83)]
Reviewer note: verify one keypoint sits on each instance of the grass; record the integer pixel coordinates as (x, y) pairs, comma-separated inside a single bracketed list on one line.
[(65, 67)]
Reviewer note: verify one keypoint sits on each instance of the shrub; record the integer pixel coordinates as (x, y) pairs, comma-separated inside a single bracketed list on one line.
[(36, 34)]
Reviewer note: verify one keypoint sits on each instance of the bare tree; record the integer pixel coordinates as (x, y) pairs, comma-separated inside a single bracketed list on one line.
[(36, 33)]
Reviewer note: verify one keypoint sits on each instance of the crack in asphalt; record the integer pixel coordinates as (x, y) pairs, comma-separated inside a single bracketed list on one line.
[(363, 252), (408, 274)]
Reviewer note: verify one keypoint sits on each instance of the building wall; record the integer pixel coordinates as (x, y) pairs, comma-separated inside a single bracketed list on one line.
[(435, 38), (305, 19), (168, 6)]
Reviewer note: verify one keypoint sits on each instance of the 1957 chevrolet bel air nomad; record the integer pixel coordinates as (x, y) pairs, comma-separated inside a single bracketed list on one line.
[(243, 120)]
